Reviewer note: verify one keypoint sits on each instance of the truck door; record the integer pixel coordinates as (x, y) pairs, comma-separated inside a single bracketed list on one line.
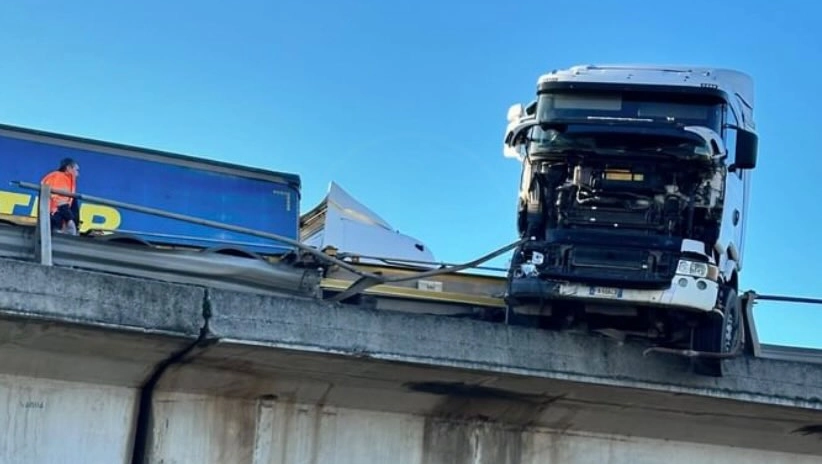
[(733, 214)]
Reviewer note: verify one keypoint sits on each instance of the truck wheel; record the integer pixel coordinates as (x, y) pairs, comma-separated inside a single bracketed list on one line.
[(718, 335)]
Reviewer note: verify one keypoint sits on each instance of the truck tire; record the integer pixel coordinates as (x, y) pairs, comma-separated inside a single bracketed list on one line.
[(718, 334)]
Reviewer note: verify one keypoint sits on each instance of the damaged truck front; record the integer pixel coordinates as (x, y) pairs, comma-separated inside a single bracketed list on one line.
[(634, 195)]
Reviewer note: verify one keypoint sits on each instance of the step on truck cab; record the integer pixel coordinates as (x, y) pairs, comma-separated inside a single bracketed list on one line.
[(634, 195)]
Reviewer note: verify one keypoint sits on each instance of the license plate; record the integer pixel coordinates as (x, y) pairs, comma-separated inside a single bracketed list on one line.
[(605, 292)]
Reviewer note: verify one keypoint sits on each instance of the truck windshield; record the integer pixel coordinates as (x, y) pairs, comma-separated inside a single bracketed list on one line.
[(606, 107)]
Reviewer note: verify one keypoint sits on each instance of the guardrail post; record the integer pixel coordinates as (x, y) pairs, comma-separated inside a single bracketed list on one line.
[(751, 335), (42, 243)]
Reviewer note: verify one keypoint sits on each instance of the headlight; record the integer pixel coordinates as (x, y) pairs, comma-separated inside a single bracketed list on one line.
[(696, 269), (537, 258)]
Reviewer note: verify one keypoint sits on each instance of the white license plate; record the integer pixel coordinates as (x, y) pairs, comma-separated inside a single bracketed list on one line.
[(605, 292)]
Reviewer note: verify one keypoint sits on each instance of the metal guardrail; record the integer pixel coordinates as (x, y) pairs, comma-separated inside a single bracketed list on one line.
[(779, 352), (204, 268), (788, 299), (179, 266), (44, 223), (789, 353), (366, 280)]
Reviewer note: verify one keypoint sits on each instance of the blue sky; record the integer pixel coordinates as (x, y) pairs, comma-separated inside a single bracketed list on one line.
[(403, 103)]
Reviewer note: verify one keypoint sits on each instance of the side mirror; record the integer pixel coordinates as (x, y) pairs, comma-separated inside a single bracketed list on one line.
[(515, 112), (747, 144)]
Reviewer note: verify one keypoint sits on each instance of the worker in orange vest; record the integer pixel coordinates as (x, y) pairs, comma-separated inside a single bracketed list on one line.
[(64, 211)]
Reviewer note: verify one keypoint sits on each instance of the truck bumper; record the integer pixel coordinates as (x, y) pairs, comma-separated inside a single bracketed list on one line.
[(685, 292)]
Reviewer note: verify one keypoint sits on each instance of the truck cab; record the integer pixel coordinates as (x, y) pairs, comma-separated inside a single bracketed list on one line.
[(633, 200)]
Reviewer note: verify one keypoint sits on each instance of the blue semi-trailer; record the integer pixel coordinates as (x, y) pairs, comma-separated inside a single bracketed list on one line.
[(254, 198)]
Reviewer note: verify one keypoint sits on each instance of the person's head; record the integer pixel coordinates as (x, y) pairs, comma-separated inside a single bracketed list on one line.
[(70, 166)]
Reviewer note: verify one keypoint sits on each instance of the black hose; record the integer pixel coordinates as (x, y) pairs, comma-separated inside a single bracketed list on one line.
[(144, 408)]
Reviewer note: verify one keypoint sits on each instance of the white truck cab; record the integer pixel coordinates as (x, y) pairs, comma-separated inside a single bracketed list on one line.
[(634, 194)]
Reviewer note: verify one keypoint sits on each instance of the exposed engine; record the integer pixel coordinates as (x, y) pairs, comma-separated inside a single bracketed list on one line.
[(660, 198), (578, 208)]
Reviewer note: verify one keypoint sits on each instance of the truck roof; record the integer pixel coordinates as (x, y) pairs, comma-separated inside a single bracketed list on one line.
[(149, 154), (732, 82)]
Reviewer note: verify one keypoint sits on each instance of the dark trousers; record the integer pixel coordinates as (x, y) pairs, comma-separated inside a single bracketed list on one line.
[(63, 214)]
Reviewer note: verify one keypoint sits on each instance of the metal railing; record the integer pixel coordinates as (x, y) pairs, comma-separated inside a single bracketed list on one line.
[(781, 352), (367, 279)]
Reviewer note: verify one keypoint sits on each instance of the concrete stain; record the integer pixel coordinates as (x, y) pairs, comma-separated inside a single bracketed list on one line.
[(813, 429), (464, 401), (466, 426), (471, 442)]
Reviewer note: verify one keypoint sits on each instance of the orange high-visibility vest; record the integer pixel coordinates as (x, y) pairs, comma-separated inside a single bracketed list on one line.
[(62, 181)]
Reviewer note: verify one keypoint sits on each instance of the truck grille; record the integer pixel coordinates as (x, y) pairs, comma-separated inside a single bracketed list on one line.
[(611, 218), (626, 267)]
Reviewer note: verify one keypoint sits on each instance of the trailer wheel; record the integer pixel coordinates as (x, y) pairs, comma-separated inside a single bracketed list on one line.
[(718, 334), (233, 251), (125, 239)]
